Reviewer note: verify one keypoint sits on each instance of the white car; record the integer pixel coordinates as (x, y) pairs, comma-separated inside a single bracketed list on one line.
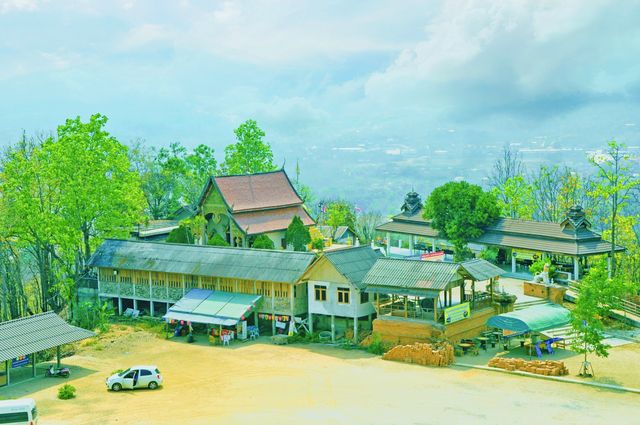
[(135, 377)]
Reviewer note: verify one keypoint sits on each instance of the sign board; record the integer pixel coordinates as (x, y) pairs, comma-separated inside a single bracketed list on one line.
[(457, 313), (433, 256), (525, 254), (20, 361)]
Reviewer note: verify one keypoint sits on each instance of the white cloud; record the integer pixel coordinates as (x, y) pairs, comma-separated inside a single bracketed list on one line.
[(7, 6)]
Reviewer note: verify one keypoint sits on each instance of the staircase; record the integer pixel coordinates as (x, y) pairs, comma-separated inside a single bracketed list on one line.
[(565, 332), (527, 304)]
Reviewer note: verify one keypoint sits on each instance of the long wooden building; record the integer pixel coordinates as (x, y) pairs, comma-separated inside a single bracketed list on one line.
[(151, 276)]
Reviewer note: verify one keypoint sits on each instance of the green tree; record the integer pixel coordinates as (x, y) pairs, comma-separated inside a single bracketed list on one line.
[(598, 295), (366, 224), (616, 180), (217, 240), (340, 213), (297, 235), (515, 198), (460, 211), (263, 242), (250, 154), (182, 234)]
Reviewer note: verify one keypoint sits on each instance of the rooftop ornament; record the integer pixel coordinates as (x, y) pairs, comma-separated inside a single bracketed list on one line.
[(412, 203)]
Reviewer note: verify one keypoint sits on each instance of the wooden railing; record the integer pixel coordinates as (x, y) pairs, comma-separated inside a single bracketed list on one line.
[(625, 305)]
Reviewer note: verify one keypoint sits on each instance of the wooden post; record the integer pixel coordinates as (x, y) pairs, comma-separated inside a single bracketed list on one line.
[(58, 356), (333, 328), (33, 365), (310, 322), (273, 309), (405, 307), (435, 309), (450, 297), (473, 294)]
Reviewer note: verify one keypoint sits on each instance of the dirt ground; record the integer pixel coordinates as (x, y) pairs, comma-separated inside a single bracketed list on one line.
[(257, 382)]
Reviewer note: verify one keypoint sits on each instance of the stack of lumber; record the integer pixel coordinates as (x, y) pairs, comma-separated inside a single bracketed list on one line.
[(540, 367), (439, 354)]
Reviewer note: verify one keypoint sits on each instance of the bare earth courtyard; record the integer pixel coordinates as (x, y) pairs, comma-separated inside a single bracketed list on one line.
[(262, 383)]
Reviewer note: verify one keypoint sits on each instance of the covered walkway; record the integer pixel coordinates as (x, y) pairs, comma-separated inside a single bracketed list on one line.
[(22, 339)]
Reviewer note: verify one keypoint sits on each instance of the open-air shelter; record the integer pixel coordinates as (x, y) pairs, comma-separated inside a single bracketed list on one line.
[(22, 339), (534, 319), (422, 289)]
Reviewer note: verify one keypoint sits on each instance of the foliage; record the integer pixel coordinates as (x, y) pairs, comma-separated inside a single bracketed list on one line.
[(365, 226), (66, 392), (303, 190), (195, 226), (297, 234), (377, 345), (263, 242), (459, 211), (538, 266), (340, 213), (182, 234), (615, 181), (93, 316), (172, 177), (628, 236), (217, 240), (515, 198), (490, 254), (317, 244), (598, 295), (250, 154)]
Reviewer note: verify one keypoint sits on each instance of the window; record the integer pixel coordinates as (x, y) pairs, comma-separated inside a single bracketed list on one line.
[(364, 297), (343, 296), (130, 375), (321, 292), (145, 372), (11, 418)]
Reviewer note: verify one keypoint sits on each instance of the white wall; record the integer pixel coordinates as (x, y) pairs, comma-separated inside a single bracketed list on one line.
[(331, 305)]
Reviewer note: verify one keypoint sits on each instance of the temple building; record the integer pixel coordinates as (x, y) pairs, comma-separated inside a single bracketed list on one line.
[(241, 207), (519, 242)]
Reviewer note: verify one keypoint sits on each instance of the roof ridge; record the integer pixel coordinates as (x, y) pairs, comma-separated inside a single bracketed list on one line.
[(44, 313), (280, 170)]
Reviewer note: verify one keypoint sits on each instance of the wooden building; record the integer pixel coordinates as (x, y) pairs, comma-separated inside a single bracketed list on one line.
[(152, 276), (517, 240), (417, 300), (336, 293), (241, 207)]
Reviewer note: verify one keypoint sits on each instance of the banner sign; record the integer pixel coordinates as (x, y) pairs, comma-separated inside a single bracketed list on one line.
[(457, 313), (433, 256), (20, 361)]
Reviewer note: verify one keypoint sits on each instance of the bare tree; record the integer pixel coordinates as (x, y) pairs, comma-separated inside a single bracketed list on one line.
[(509, 165)]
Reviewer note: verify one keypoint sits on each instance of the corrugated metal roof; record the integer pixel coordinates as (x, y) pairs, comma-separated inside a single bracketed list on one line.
[(353, 263), (408, 229), (234, 263), (413, 274), (214, 307), (480, 269), (36, 333)]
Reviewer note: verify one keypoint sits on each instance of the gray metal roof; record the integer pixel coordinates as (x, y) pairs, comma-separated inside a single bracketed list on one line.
[(413, 274), (199, 260), (353, 263), (36, 333), (480, 269), (519, 234)]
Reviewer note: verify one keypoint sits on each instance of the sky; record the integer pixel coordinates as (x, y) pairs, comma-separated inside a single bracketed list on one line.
[(372, 98)]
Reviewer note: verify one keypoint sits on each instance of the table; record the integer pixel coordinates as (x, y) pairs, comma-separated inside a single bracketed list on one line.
[(465, 346), (483, 342)]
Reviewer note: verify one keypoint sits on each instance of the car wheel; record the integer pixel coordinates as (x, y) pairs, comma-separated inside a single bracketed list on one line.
[(153, 385), (116, 387)]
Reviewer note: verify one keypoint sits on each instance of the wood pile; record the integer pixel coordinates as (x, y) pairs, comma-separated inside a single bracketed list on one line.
[(540, 367), (436, 354)]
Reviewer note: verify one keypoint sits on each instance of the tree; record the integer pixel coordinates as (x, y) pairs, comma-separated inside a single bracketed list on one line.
[(181, 234), (297, 234), (217, 240), (250, 154), (303, 190), (598, 295), (508, 166), (263, 242), (614, 184), (515, 198), (340, 213), (366, 224), (460, 211)]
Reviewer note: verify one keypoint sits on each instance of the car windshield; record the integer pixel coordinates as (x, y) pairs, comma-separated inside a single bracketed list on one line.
[(124, 372)]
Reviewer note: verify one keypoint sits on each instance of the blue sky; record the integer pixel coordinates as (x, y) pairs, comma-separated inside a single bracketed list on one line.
[(387, 94)]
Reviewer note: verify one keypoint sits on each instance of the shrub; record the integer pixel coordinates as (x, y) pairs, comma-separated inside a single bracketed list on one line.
[(318, 244), (538, 266), (93, 316), (489, 253), (181, 235), (66, 392), (217, 240), (263, 242), (377, 346)]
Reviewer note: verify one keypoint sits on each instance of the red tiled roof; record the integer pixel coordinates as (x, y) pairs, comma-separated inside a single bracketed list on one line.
[(258, 191), (256, 222)]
